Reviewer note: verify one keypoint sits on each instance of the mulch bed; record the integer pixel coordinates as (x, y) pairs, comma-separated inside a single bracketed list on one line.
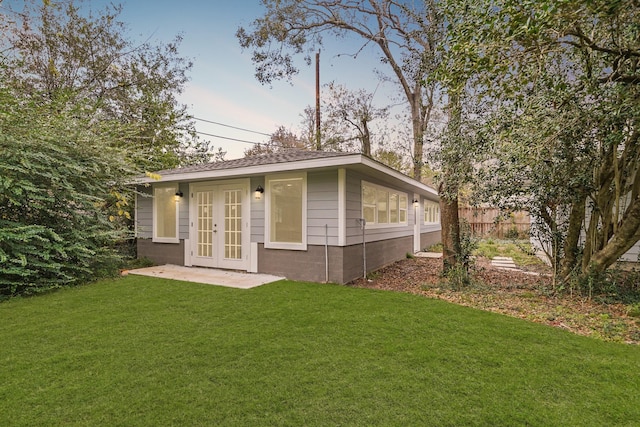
[(526, 295)]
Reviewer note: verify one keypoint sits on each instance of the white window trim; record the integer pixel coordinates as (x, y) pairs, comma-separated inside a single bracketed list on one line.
[(427, 203), (389, 190), (268, 244), (155, 238)]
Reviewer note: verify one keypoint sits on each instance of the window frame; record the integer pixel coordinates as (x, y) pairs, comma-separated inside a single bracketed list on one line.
[(427, 204), (399, 210), (269, 181), (155, 237)]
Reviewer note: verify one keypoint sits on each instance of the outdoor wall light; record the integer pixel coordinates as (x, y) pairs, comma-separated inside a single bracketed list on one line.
[(258, 193), (178, 195), (416, 203)]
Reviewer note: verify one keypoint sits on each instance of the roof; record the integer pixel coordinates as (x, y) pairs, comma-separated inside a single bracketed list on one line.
[(286, 161), (260, 160)]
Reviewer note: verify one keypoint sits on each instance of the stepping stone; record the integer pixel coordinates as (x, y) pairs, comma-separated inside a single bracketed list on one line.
[(503, 262)]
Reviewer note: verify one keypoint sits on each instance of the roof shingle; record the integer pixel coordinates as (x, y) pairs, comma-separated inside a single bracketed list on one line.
[(265, 159)]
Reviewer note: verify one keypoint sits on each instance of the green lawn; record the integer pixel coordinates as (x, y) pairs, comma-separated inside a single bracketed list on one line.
[(143, 351)]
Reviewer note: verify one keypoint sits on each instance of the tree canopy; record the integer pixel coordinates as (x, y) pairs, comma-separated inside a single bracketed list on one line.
[(82, 110), (60, 54), (407, 36), (561, 129)]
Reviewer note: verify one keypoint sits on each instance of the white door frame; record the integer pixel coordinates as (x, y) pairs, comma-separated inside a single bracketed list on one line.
[(416, 223), (217, 258)]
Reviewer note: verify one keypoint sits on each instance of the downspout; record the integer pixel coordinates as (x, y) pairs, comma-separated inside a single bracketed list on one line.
[(362, 223), (326, 253)]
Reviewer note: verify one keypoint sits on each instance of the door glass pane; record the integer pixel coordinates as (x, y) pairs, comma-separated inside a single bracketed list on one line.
[(204, 200), (233, 224)]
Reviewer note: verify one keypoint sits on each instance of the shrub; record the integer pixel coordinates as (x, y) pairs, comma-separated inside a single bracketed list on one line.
[(58, 176), (512, 233)]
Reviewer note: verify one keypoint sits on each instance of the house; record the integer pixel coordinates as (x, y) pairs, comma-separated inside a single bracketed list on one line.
[(304, 215)]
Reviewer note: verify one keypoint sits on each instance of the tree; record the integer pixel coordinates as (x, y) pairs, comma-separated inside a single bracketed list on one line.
[(331, 132), (356, 110), (83, 109), (282, 139), (392, 159), (564, 81), (411, 38), (60, 56), (63, 186), (408, 37)]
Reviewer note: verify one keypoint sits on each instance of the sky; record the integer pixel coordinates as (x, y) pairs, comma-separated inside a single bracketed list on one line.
[(223, 87)]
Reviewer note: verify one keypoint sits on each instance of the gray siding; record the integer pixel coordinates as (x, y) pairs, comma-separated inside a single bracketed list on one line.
[(144, 213), (322, 207), (257, 211), (183, 212), (354, 212), (354, 208)]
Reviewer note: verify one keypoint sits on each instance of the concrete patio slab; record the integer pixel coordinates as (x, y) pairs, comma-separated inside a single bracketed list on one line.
[(210, 276)]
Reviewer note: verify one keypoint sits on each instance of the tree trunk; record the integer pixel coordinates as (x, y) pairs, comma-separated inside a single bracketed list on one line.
[(570, 249), (366, 139), (628, 234), (418, 136), (450, 224), (549, 218)]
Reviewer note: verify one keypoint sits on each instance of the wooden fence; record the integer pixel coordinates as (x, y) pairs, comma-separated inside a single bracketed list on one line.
[(489, 222)]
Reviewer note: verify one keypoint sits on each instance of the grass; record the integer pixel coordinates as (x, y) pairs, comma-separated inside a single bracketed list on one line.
[(144, 351)]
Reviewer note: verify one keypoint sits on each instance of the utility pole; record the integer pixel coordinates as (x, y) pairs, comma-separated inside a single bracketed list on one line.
[(318, 143)]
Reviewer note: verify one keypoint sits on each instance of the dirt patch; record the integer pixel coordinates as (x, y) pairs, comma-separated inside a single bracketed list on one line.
[(526, 295)]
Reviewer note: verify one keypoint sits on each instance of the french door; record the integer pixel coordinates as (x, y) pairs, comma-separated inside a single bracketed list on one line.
[(219, 225)]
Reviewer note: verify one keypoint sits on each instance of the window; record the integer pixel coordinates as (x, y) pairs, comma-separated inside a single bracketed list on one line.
[(403, 208), (165, 214), (383, 206), (369, 204), (431, 212), (286, 211)]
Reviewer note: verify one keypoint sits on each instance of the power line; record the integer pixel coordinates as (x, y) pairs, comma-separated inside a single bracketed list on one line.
[(226, 137), (232, 127)]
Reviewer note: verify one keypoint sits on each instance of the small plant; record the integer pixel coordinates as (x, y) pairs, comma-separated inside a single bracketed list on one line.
[(457, 278), (512, 233), (373, 275), (634, 310), (437, 247), (138, 263), (410, 255), (468, 244)]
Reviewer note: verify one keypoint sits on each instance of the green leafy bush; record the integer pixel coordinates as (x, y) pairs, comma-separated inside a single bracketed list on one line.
[(58, 176)]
